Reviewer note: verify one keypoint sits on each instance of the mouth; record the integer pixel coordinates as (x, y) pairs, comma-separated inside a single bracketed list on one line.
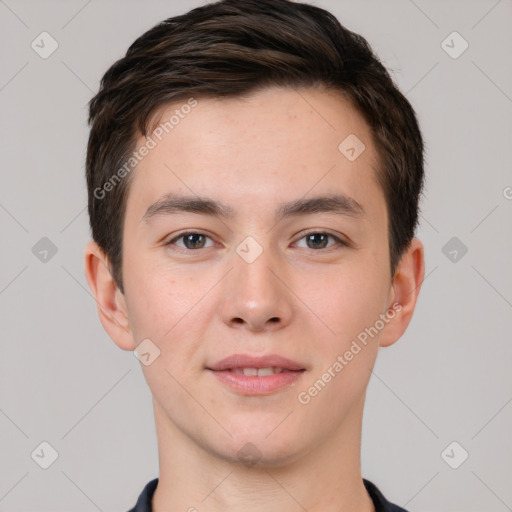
[(268, 364), (249, 375), (259, 372)]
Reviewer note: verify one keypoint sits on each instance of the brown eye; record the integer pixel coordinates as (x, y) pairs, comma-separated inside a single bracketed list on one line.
[(317, 240), (320, 240), (192, 241)]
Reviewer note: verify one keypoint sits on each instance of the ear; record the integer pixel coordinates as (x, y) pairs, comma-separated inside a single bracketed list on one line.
[(404, 292), (109, 299)]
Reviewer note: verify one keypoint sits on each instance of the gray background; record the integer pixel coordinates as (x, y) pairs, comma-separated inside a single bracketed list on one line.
[(62, 380)]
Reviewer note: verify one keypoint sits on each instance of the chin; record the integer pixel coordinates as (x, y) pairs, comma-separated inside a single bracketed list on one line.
[(256, 448)]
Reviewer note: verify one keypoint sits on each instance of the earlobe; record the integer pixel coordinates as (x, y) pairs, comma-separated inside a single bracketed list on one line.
[(406, 286), (109, 299)]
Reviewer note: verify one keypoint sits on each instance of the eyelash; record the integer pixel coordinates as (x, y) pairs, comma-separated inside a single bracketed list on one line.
[(338, 241)]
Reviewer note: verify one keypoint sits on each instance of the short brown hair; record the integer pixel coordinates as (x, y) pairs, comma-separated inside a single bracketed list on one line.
[(230, 48)]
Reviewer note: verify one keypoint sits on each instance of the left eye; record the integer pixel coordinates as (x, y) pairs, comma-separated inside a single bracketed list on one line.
[(192, 241), (319, 240)]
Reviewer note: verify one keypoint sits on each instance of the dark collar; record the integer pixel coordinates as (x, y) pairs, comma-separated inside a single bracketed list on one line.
[(379, 501)]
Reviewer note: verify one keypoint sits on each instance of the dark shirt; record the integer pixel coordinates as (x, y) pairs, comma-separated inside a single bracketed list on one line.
[(380, 503)]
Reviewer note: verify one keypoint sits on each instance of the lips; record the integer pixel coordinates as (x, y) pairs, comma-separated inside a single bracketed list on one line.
[(249, 375), (240, 362)]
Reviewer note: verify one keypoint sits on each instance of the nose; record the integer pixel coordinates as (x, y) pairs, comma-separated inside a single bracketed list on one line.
[(255, 296)]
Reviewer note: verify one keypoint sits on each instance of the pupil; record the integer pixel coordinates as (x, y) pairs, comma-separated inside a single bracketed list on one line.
[(193, 241), (318, 240)]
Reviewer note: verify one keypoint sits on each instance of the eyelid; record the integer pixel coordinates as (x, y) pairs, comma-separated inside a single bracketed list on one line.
[(181, 234), (340, 240)]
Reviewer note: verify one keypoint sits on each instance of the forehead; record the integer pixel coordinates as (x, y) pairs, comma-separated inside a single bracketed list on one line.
[(270, 145)]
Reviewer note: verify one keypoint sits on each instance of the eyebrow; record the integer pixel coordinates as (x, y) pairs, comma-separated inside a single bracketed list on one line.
[(174, 203)]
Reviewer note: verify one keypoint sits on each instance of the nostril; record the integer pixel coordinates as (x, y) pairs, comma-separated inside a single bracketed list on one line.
[(274, 319)]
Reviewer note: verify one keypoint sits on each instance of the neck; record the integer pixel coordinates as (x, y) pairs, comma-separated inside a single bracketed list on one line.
[(327, 478)]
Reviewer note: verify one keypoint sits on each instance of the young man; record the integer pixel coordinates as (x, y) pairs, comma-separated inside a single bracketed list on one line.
[(253, 178)]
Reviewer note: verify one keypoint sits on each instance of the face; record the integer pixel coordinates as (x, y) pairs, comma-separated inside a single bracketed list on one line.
[(249, 233)]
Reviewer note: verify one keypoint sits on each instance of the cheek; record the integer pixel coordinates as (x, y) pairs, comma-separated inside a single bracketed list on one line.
[(350, 304), (347, 301), (156, 300), (169, 306)]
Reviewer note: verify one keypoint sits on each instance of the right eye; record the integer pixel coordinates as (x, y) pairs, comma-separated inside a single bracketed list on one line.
[(191, 240)]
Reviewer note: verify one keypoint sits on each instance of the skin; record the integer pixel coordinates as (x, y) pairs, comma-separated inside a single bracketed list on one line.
[(199, 305)]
